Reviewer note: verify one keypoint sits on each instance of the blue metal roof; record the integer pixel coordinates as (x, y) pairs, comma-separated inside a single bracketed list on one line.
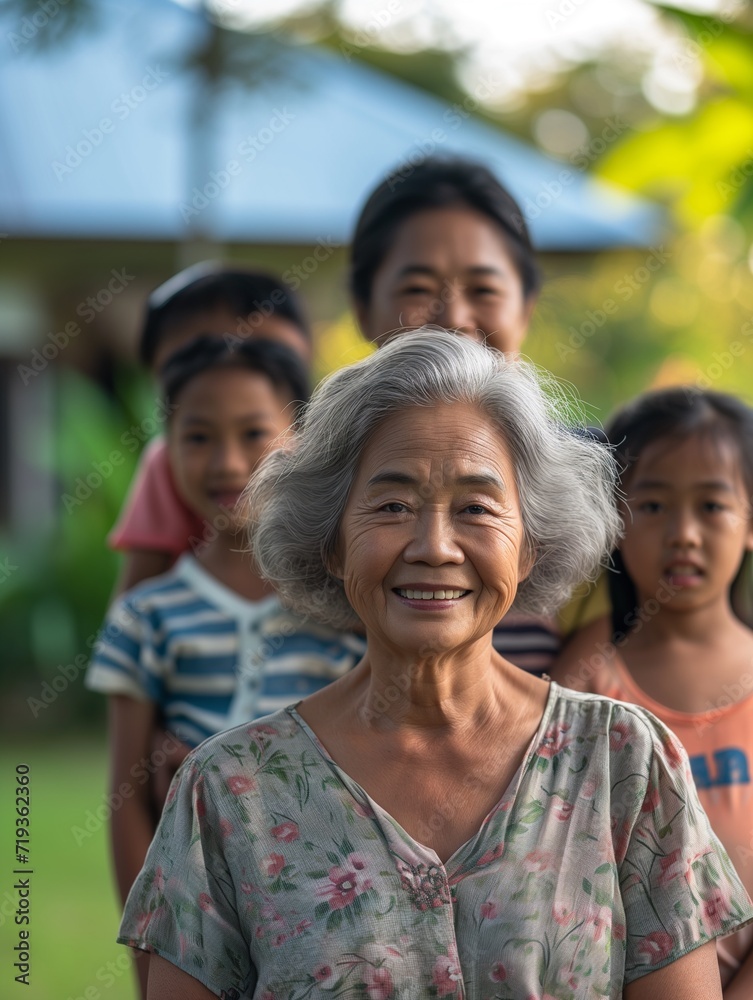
[(97, 141)]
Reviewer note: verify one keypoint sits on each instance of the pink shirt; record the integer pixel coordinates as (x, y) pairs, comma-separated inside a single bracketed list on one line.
[(154, 517)]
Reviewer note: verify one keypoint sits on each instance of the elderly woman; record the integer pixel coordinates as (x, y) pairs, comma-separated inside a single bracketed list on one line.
[(437, 823)]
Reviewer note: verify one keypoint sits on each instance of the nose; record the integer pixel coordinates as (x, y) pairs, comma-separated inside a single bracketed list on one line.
[(228, 457), (433, 542), (683, 529), (455, 311)]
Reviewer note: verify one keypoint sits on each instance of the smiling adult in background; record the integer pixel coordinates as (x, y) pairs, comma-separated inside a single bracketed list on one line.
[(447, 244)]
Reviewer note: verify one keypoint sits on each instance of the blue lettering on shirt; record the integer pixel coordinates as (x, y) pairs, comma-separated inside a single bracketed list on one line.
[(731, 767)]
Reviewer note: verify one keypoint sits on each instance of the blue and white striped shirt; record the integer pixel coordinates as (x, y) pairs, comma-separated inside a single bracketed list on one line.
[(183, 640)]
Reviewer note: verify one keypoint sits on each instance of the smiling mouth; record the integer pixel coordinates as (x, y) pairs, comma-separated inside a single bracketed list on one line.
[(431, 595), (680, 573)]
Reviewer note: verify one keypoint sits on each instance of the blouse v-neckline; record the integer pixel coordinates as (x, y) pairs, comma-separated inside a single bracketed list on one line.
[(362, 797)]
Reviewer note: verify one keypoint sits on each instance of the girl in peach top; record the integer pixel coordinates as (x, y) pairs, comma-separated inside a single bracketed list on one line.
[(674, 644)]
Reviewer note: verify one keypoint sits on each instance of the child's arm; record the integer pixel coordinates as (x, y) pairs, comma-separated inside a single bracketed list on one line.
[(741, 987), (132, 825), (582, 656), (141, 564)]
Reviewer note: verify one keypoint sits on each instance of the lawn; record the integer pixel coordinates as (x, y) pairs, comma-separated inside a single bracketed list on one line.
[(74, 913)]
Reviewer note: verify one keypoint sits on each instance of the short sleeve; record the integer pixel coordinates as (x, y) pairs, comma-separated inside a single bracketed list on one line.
[(125, 660), (182, 905), (679, 888), (154, 517)]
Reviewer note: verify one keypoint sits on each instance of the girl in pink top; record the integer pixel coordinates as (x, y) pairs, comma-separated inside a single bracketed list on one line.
[(155, 526), (674, 644)]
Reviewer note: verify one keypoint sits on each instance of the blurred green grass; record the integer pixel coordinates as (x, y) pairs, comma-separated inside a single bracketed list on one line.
[(74, 911)]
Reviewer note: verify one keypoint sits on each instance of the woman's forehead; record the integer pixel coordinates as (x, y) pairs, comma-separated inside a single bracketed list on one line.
[(452, 441)]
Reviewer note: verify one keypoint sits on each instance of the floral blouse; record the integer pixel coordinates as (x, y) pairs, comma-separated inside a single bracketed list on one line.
[(273, 875)]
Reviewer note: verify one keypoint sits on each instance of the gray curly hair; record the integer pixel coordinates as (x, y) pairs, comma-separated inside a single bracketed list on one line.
[(565, 479)]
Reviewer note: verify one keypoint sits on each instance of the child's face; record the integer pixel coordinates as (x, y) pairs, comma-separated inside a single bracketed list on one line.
[(688, 522), (225, 421), (223, 321)]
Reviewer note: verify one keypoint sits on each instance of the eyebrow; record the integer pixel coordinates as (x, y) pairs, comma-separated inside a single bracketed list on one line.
[(190, 418), (660, 484), (481, 479), (431, 272)]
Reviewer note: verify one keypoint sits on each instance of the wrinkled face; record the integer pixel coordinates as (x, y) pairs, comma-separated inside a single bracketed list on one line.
[(225, 422), (449, 267), (431, 544), (222, 322), (688, 525)]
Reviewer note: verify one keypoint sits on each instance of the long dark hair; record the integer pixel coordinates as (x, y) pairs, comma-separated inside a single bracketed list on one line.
[(676, 414)]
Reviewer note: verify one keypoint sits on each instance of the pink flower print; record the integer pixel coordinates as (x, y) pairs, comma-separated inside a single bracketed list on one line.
[(267, 995), (263, 729), (651, 801), (286, 832), (158, 882), (378, 983), (205, 902), (201, 809), (671, 866), (656, 946), (618, 736), (341, 888), (538, 860), (620, 839), (363, 810), (618, 932), (715, 911), (563, 810), (226, 827), (324, 975), (446, 975), (303, 926), (426, 885), (273, 864), (562, 915), (239, 784), (488, 856), (598, 920), (555, 740), (589, 788), (673, 750), (498, 973), (489, 910)]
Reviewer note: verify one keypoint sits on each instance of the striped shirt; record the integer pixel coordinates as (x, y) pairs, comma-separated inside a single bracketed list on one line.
[(183, 639)]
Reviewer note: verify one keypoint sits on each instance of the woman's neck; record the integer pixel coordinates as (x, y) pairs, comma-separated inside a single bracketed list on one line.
[(227, 558), (452, 692)]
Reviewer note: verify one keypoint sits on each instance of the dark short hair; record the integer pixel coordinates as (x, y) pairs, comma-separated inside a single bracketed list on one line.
[(213, 285), (673, 414), (278, 362), (436, 182)]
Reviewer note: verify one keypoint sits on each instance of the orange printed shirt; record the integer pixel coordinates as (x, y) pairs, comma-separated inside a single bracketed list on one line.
[(719, 743)]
